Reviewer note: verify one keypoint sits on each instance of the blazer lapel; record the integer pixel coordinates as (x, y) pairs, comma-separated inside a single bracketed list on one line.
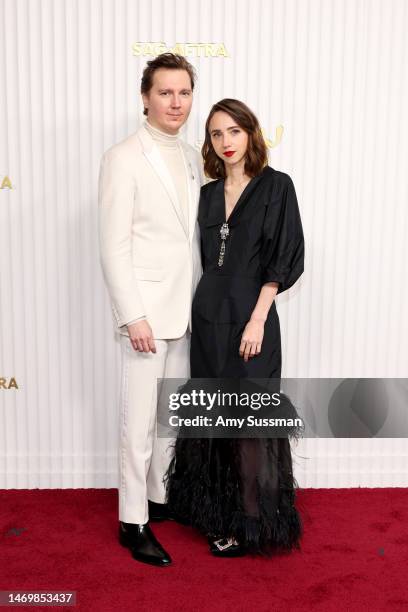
[(193, 181), (216, 213), (233, 219), (152, 153)]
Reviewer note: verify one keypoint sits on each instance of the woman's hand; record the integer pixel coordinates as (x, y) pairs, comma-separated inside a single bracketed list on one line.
[(251, 341)]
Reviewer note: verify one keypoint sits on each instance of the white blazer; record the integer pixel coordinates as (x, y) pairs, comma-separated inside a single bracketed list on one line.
[(151, 265)]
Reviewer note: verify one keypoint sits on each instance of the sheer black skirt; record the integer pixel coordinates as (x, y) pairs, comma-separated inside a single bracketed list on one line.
[(242, 487)]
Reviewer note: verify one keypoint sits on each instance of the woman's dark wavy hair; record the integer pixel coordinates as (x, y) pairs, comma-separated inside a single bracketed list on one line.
[(257, 152)]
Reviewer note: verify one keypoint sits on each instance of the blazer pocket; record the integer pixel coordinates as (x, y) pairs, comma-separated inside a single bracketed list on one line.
[(148, 274)]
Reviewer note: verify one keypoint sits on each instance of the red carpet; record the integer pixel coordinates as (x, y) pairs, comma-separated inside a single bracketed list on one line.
[(354, 556)]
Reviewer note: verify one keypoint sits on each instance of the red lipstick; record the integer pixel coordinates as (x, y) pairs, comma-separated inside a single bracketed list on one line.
[(229, 153)]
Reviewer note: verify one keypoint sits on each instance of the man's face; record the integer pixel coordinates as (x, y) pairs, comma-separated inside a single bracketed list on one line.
[(169, 100)]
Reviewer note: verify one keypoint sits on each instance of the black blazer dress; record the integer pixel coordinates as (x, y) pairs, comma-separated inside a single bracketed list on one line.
[(265, 243)]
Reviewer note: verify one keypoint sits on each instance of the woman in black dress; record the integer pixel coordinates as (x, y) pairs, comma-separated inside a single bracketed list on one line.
[(240, 492)]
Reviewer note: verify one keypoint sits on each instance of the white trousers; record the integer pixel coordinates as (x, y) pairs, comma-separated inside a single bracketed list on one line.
[(144, 457)]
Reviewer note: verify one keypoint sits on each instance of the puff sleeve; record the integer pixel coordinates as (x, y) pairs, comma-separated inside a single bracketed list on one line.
[(282, 253)]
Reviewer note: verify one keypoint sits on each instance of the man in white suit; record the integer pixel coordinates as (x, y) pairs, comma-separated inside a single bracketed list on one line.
[(149, 244)]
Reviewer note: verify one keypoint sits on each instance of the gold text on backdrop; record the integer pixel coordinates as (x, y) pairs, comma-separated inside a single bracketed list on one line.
[(6, 183), (186, 49), (9, 383)]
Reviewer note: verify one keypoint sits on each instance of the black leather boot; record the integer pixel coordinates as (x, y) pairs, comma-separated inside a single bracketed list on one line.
[(142, 543)]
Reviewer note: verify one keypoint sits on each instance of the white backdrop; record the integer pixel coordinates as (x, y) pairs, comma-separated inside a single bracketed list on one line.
[(333, 74)]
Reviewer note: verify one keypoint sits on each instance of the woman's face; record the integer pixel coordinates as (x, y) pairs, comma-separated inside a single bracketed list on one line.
[(229, 140)]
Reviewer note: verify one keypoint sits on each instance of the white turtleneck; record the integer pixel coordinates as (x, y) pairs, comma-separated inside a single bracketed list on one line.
[(172, 153)]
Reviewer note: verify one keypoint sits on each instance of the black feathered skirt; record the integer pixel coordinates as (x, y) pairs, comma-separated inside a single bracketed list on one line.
[(240, 487)]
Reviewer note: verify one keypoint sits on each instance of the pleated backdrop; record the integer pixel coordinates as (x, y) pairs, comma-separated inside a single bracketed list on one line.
[(328, 80)]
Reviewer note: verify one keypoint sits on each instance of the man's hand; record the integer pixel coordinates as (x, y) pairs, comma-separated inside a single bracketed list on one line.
[(141, 337)]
